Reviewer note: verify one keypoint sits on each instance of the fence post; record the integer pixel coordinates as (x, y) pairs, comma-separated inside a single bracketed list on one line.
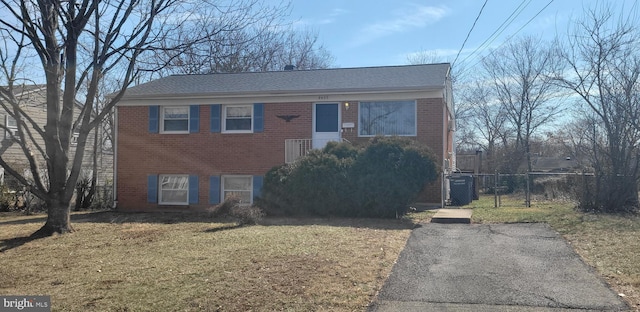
[(585, 192), (528, 192), (495, 190)]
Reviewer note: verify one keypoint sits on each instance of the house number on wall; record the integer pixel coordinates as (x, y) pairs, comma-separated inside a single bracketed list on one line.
[(323, 97)]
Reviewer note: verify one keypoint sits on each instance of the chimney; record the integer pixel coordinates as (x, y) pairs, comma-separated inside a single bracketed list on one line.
[(289, 67)]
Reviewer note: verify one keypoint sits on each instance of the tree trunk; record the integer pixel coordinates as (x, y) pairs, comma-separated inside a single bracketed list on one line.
[(58, 219)]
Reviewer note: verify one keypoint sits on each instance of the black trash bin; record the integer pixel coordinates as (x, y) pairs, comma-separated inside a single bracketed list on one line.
[(461, 189)]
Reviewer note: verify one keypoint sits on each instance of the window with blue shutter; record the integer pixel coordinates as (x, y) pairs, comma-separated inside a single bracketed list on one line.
[(214, 120), (152, 188), (214, 189), (193, 189), (154, 119), (194, 118), (258, 117), (257, 186)]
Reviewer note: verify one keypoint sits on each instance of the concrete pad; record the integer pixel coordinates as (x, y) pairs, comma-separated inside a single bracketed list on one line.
[(492, 267), (452, 216)]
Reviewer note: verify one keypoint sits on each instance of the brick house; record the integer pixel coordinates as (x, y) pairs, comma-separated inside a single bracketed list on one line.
[(189, 141)]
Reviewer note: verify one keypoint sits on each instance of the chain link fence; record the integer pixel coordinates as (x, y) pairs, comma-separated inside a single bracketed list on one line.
[(529, 187)]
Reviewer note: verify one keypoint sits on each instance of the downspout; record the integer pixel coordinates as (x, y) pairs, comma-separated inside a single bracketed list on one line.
[(445, 134), (115, 158), (447, 131)]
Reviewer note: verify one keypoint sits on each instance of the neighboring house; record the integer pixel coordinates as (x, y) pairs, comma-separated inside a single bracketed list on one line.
[(189, 141), (553, 164), (32, 99)]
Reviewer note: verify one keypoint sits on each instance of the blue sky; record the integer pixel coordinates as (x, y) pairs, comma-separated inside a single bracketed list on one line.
[(378, 33)]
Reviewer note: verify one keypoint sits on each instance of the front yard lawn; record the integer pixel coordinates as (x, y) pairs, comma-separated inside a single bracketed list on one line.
[(188, 262), (173, 262)]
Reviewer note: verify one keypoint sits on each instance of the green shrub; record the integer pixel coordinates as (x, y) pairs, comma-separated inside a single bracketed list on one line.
[(389, 174), (312, 185), (379, 180), (341, 150)]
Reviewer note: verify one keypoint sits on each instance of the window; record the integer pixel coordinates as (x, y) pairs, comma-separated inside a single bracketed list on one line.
[(74, 138), (174, 189), (11, 122), (237, 118), (238, 186), (387, 118), (175, 119), (12, 126)]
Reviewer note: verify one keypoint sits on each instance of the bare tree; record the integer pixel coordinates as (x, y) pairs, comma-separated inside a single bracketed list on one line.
[(520, 77), (603, 70), (424, 57), (266, 46), (488, 119), (74, 45)]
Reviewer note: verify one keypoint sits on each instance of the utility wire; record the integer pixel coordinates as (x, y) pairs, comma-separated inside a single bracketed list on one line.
[(469, 33), (508, 21), (515, 33)]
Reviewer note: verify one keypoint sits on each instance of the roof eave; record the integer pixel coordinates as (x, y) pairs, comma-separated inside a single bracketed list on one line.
[(280, 93)]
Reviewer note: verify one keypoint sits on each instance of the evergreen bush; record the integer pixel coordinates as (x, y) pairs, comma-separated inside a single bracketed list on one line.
[(379, 179)]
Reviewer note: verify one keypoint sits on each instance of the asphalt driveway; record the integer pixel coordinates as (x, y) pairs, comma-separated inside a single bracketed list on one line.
[(492, 267)]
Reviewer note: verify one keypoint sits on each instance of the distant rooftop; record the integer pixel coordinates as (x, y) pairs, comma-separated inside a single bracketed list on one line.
[(409, 77)]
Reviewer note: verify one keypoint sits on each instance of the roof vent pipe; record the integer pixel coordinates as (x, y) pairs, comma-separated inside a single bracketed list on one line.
[(289, 67)]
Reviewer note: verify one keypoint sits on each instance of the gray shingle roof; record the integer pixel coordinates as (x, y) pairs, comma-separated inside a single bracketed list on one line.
[(421, 77)]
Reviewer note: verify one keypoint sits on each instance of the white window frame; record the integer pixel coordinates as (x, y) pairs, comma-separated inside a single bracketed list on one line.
[(415, 116), (160, 189), (223, 190), (13, 128), (224, 119), (74, 138), (162, 119)]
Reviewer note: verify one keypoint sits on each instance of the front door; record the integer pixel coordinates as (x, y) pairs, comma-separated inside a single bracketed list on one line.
[(326, 118)]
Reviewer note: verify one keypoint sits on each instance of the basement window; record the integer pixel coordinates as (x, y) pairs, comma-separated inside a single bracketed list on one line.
[(174, 190), (238, 186)]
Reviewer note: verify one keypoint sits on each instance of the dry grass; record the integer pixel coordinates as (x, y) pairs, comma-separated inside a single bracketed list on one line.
[(169, 262), (608, 242)]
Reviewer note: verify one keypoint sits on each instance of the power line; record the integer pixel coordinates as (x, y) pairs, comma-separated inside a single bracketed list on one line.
[(469, 33), (515, 33), (507, 22)]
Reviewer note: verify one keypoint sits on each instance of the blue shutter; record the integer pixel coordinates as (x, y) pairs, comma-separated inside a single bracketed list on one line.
[(215, 118), (153, 118), (214, 189), (258, 117), (193, 189), (257, 186), (194, 118), (152, 188)]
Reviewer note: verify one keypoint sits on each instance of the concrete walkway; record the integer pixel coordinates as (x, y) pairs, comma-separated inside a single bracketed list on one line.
[(452, 216), (492, 267)]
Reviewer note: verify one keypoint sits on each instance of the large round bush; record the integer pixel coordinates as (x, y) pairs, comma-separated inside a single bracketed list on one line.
[(379, 179)]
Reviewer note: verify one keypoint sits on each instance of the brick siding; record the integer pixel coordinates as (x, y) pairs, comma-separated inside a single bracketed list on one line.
[(141, 153)]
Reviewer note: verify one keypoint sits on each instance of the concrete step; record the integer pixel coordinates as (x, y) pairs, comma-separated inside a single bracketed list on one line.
[(452, 216)]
